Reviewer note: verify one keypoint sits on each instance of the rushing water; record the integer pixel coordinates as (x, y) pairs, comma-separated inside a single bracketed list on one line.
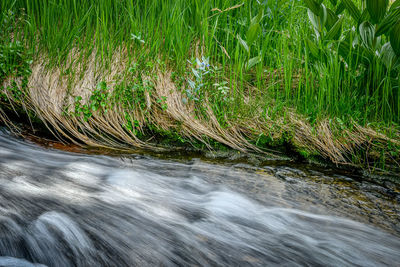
[(66, 209)]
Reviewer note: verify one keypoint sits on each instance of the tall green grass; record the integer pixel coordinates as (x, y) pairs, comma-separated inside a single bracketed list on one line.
[(172, 31)]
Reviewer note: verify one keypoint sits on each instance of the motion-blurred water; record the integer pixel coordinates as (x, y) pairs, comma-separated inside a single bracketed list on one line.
[(64, 209)]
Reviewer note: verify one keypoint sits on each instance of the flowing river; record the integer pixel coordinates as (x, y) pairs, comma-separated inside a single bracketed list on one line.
[(61, 208)]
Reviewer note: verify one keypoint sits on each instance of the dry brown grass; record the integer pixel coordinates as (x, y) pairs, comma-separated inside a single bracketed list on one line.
[(51, 90)]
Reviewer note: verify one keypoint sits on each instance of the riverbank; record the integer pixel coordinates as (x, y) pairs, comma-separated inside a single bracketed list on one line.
[(126, 87)]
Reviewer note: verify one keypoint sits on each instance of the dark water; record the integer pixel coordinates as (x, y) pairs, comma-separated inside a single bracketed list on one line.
[(64, 209)]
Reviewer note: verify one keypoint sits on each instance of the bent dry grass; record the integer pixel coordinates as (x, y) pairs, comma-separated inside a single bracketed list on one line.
[(122, 74)]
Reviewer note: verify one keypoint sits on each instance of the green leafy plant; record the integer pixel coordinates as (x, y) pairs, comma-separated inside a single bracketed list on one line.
[(97, 102), (15, 64), (132, 125), (253, 32), (163, 102), (372, 40), (15, 59), (355, 49), (133, 94)]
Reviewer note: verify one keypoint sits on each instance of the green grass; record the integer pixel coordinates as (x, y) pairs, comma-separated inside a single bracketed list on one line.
[(171, 29), (269, 64)]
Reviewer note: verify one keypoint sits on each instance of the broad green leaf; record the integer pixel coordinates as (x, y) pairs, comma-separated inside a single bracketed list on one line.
[(352, 9), (395, 4), (254, 28), (258, 18), (314, 50), (333, 2), (367, 55), (252, 33), (316, 22), (367, 34), (243, 43), (313, 6), (387, 55), (252, 62), (323, 15), (334, 32), (385, 26), (331, 19), (377, 9), (341, 7), (395, 38), (352, 53), (364, 16)]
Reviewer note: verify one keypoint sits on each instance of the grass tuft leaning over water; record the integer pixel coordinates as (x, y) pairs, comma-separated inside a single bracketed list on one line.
[(319, 76)]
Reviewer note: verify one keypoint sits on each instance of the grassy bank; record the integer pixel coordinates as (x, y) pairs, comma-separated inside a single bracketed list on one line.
[(251, 75)]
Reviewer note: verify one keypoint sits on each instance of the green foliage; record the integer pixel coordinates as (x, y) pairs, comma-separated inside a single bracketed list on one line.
[(377, 9), (367, 44), (15, 65), (98, 102), (252, 33), (132, 125), (163, 102), (15, 61), (395, 39), (170, 137), (133, 94)]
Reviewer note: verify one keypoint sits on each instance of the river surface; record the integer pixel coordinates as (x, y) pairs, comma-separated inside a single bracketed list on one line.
[(60, 208)]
